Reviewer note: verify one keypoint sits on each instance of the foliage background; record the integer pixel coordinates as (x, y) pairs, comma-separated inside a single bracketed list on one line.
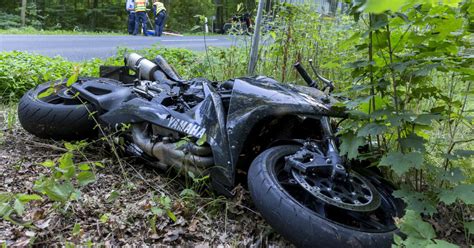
[(110, 15)]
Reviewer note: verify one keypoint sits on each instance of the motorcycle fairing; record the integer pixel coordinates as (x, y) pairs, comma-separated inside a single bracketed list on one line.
[(257, 98), (139, 110), (212, 114)]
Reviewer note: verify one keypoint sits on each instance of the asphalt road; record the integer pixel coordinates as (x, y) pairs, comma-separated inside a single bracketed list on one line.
[(82, 47)]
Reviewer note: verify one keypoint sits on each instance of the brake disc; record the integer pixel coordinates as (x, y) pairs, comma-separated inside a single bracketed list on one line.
[(355, 193)]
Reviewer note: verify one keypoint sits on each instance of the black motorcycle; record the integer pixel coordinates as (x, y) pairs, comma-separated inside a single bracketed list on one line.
[(278, 137)]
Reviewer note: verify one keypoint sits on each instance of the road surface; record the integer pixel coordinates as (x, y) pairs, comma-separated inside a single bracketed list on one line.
[(83, 47)]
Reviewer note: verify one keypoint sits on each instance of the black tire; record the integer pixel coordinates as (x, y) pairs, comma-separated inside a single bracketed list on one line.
[(296, 222), (53, 118)]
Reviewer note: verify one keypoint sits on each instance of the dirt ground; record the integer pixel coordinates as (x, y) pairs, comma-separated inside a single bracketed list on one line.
[(205, 220)]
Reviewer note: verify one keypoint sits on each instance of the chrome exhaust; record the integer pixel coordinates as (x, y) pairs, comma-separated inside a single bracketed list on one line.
[(169, 155), (144, 67)]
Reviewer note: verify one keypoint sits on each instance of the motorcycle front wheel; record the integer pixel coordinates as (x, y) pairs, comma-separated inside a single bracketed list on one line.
[(307, 221), (51, 111)]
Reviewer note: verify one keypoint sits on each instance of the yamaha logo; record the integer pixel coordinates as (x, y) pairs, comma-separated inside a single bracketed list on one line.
[(186, 127)]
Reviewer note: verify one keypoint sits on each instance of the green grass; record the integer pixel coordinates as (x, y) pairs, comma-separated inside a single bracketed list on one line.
[(33, 31)]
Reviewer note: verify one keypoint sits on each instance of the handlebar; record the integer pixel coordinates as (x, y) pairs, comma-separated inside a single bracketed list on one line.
[(311, 83), (305, 75)]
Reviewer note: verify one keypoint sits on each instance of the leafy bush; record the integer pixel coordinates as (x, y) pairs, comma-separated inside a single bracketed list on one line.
[(413, 88), (21, 71), (8, 21)]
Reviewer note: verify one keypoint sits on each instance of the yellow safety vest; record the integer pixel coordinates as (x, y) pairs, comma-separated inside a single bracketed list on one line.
[(140, 5), (159, 7)]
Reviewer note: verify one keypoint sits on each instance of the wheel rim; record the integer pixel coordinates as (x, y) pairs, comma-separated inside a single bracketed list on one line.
[(61, 95), (378, 220), (355, 193)]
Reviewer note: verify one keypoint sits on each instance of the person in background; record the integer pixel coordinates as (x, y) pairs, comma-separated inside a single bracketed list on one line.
[(140, 16), (130, 7), (160, 17)]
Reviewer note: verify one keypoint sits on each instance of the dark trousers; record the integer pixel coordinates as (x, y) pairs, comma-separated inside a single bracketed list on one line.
[(160, 21), (140, 18), (131, 22)]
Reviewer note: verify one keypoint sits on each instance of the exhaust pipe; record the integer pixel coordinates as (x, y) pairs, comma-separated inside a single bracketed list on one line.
[(169, 155), (144, 67), (154, 71)]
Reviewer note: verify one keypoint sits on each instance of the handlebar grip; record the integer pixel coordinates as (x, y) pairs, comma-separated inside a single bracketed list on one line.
[(304, 74)]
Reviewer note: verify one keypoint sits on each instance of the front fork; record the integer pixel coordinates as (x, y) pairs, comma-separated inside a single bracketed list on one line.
[(332, 157)]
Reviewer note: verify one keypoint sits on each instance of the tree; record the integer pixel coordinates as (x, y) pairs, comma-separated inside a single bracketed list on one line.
[(23, 13)]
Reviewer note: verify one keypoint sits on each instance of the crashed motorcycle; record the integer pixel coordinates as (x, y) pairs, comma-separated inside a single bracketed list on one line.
[(278, 138)]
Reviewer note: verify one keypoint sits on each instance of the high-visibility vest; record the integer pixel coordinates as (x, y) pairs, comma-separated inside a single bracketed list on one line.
[(140, 5), (159, 7)]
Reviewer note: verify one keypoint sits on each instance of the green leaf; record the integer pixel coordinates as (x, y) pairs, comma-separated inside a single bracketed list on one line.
[(441, 244), (104, 218), (397, 240), (463, 192), (48, 163), (157, 211), (72, 79), (379, 6), (46, 93), (171, 215), (165, 201), (371, 129), (99, 164), (85, 177), (66, 160), (426, 119), (201, 141), (469, 226), (413, 141), (113, 196), (415, 242), (191, 175), (24, 198), (5, 197), (452, 3), (19, 207), (5, 210), (414, 226), (367, 106), (58, 191), (350, 145), (84, 167), (463, 154), (453, 176), (153, 223), (401, 163), (70, 147), (76, 230), (66, 165), (182, 143), (188, 193), (416, 201)]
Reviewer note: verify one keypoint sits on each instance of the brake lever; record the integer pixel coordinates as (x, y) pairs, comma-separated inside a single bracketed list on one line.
[(329, 84)]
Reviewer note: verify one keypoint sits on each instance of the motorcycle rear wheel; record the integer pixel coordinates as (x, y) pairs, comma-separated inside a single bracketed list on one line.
[(307, 222), (59, 115)]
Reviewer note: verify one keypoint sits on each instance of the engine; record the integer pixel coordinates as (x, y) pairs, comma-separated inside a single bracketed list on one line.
[(160, 84)]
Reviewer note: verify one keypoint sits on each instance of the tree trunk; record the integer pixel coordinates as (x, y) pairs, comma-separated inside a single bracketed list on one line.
[(220, 6), (333, 7), (94, 14), (23, 13)]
